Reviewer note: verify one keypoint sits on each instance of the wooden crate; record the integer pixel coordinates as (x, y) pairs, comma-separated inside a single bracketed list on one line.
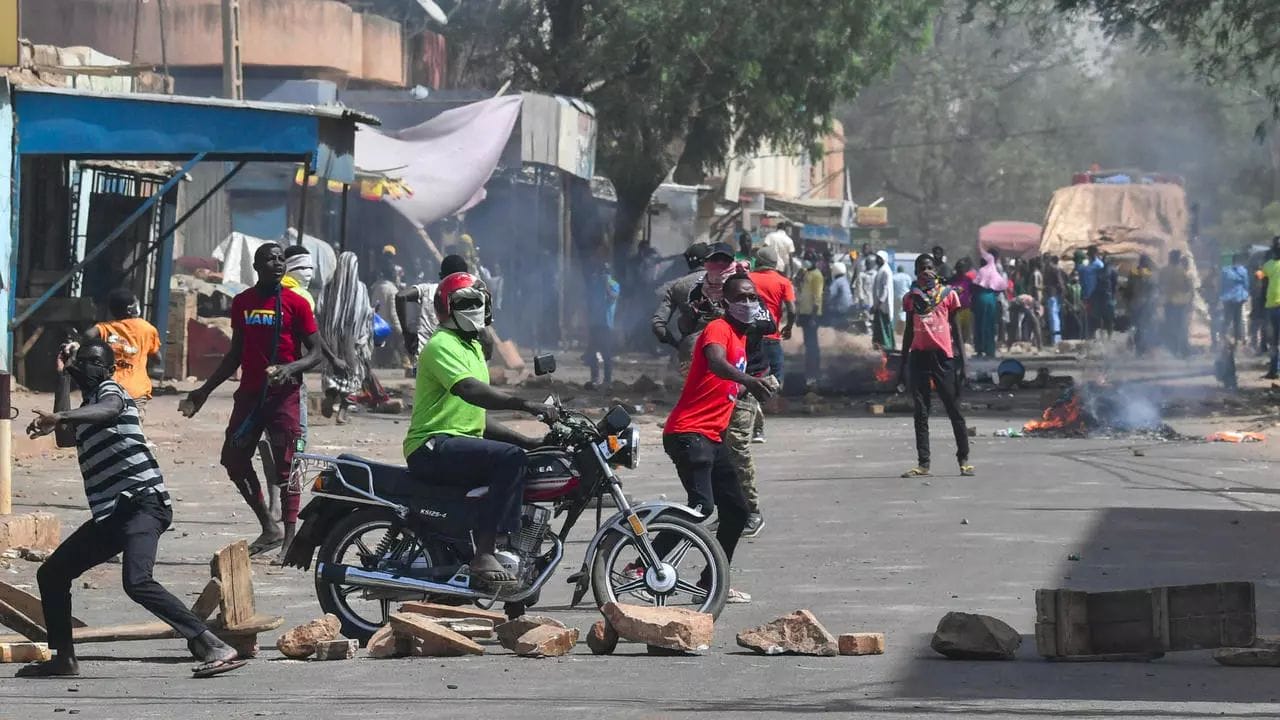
[(182, 309), (1149, 621)]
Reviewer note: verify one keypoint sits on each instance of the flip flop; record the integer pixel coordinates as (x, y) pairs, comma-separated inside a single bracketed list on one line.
[(258, 548), (493, 579), (968, 471), (916, 472), (217, 667)]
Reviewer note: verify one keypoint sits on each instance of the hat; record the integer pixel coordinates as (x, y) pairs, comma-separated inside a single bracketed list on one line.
[(838, 269), (388, 249), (698, 251), (767, 257), (882, 255), (720, 248)]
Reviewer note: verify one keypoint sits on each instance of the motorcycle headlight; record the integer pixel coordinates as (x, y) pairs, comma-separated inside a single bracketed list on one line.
[(624, 448)]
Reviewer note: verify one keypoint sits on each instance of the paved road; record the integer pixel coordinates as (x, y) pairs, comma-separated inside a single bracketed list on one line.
[(846, 538)]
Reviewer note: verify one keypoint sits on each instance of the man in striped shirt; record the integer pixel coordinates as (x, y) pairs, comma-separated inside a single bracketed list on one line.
[(131, 509)]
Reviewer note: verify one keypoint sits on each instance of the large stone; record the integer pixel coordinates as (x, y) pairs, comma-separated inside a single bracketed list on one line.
[(452, 611), (340, 649), (510, 632), (665, 627), (386, 644), (39, 531), (1261, 655), (799, 633), (300, 642), (861, 644), (436, 639), (602, 638), (546, 641), (966, 636)]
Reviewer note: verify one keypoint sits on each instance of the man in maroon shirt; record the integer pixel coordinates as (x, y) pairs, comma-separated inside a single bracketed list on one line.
[(269, 329)]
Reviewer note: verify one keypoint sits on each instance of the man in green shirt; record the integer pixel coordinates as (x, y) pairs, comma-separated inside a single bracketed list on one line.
[(1271, 272), (450, 439)]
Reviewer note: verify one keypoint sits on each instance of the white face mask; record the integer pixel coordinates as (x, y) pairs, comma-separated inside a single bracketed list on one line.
[(470, 321), (303, 275)]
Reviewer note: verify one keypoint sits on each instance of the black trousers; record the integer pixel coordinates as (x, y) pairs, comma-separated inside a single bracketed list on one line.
[(930, 370), (476, 462), (134, 529), (706, 471)]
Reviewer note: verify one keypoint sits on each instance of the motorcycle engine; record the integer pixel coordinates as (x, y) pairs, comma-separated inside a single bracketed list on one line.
[(535, 520)]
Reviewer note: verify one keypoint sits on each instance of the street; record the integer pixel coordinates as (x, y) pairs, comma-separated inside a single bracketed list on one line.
[(847, 538)]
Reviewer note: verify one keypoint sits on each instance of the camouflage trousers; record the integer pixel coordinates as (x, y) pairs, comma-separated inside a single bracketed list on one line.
[(738, 440)]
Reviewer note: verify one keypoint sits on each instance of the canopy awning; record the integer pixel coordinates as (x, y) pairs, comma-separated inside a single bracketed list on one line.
[(59, 121)]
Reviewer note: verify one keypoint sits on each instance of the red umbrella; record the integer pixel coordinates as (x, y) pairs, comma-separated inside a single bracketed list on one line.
[(1011, 238)]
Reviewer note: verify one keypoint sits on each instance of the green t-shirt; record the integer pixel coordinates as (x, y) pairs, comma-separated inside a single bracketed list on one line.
[(445, 360), (1271, 269)]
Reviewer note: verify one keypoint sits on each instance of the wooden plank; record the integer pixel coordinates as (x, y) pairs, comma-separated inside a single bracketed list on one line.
[(28, 604), (232, 568), (159, 631), (452, 611), (24, 652), (11, 617), (210, 599)]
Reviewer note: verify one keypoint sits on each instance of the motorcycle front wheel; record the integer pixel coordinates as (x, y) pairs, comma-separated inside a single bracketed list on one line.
[(695, 571), (371, 539)]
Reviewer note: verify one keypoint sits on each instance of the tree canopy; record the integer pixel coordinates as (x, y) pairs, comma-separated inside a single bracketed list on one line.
[(679, 85)]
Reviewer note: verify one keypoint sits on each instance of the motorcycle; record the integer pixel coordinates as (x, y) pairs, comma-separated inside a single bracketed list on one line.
[(384, 537)]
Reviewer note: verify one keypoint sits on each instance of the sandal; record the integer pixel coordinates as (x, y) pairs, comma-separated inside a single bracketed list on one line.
[(737, 597), (967, 471), (47, 669), (916, 472), (217, 667), (492, 579)]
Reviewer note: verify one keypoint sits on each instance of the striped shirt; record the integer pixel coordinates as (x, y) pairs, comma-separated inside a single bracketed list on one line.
[(114, 458)]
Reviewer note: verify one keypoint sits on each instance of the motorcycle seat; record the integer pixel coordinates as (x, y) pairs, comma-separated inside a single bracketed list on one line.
[(397, 481)]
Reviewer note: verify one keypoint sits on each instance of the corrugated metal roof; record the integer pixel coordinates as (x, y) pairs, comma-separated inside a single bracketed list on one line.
[(340, 112)]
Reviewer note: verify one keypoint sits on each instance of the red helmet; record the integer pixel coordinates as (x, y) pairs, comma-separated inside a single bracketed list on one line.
[(456, 287)]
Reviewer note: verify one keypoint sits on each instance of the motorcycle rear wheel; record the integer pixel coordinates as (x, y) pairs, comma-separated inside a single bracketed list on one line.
[(355, 532), (618, 550)]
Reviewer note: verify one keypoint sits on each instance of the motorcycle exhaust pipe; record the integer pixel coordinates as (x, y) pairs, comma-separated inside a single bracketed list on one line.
[(348, 575)]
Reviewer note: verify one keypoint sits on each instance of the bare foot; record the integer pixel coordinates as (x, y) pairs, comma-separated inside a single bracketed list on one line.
[(60, 666)]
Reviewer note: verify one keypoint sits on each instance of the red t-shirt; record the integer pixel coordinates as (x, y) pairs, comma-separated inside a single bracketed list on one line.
[(255, 316), (774, 289), (933, 331), (706, 403)]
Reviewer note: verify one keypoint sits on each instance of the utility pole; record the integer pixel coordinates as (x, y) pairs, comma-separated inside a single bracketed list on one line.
[(232, 71)]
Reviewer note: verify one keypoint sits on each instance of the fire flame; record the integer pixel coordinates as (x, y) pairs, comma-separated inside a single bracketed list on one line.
[(882, 373), (1058, 416)]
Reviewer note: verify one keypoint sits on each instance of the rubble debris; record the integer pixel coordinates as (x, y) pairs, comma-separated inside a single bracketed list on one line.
[(386, 644), (799, 633), (436, 639), (545, 641), (509, 632), (33, 554), (24, 652), (468, 627), (645, 384), (340, 649), (861, 644), (667, 627), (967, 636), (602, 639), (1264, 656), (1236, 436), (300, 642), (452, 611)]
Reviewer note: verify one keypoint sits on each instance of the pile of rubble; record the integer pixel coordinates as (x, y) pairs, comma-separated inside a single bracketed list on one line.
[(422, 629)]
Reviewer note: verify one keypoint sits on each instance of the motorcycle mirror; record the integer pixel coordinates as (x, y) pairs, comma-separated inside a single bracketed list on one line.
[(544, 364)]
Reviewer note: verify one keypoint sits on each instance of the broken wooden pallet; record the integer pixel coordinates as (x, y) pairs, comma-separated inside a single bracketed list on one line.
[(1145, 623), (229, 590)]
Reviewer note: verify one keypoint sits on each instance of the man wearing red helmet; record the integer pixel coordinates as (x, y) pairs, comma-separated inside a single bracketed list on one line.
[(449, 429)]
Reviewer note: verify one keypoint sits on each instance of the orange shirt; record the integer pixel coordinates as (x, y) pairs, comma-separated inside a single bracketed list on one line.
[(133, 341)]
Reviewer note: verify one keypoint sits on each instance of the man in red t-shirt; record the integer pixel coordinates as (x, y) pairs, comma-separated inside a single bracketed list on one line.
[(693, 436), (934, 355), (270, 329), (778, 295)]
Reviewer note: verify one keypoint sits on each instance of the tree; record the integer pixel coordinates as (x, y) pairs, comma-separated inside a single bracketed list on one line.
[(1234, 41), (679, 85)]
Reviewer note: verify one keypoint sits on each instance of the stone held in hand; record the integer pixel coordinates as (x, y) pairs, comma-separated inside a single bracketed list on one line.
[(435, 640), (968, 636), (546, 641), (300, 642), (509, 632), (861, 644), (602, 639), (666, 627), (340, 649), (799, 633)]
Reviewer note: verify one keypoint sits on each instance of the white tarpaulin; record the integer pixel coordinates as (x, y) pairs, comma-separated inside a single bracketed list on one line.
[(445, 161)]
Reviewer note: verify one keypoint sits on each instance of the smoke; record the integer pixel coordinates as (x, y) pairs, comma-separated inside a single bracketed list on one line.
[(1128, 407)]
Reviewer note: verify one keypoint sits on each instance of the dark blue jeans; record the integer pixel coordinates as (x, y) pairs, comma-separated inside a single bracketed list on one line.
[(773, 354), (476, 462), (812, 353)]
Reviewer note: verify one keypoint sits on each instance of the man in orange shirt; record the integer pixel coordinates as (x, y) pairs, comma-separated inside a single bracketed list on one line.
[(134, 342), (778, 295)]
